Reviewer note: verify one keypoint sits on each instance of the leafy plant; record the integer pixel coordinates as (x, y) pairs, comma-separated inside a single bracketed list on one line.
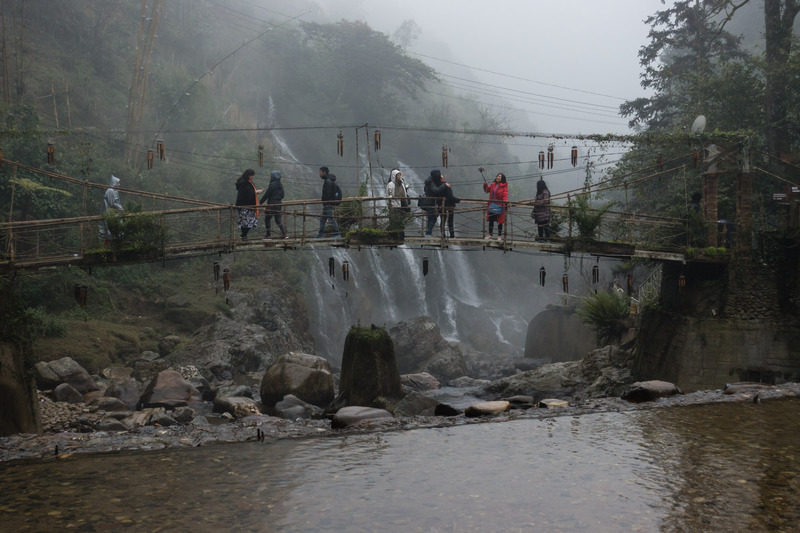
[(585, 218), (136, 231), (351, 211), (605, 312)]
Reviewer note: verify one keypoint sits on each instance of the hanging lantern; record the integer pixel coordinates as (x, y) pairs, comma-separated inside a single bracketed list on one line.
[(696, 158), (573, 156), (424, 266), (160, 149), (149, 159), (550, 156), (331, 270), (83, 295), (346, 271), (565, 283), (377, 140), (595, 275), (660, 162), (681, 283), (340, 143), (541, 160), (261, 155), (51, 153), (226, 279), (542, 276), (216, 270), (445, 150), (630, 284)]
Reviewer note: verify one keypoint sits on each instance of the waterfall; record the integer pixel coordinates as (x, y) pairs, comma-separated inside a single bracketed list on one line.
[(482, 297)]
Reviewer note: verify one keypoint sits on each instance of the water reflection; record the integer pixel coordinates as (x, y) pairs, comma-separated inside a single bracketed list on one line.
[(723, 467)]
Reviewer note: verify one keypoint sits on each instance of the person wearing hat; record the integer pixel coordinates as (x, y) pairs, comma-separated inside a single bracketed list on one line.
[(110, 201), (273, 196)]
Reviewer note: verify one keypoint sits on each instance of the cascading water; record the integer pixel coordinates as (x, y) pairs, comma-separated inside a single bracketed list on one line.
[(484, 298)]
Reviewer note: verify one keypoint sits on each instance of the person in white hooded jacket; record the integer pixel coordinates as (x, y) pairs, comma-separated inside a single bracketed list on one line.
[(111, 200), (397, 192)]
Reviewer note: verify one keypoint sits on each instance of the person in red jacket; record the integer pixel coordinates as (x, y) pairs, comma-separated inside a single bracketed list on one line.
[(498, 204)]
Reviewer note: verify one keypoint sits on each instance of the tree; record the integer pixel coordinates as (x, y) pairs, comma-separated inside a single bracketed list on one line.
[(779, 18)]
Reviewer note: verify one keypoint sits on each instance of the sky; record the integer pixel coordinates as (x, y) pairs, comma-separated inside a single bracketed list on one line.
[(565, 65)]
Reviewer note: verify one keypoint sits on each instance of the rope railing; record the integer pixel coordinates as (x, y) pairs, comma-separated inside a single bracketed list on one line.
[(164, 233)]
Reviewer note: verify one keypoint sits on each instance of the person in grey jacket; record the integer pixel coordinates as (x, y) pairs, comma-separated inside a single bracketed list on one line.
[(111, 201), (273, 196)]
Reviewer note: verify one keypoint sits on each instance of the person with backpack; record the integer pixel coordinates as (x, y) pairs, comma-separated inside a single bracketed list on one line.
[(273, 197), (331, 196), (498, 204), (110, 201)]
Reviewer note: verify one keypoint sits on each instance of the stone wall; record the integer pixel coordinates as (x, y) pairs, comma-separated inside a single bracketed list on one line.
[(18, 397), (738, 321), (557, 334)]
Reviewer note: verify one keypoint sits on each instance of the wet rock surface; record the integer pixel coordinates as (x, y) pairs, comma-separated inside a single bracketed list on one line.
[(63, 423)]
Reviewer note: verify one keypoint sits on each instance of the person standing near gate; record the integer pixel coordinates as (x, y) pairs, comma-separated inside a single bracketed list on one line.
[(498, 204), (273, 197), (331, 195), (110, 201)]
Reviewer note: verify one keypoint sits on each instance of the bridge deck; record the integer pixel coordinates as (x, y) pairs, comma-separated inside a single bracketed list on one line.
[(172, 233)]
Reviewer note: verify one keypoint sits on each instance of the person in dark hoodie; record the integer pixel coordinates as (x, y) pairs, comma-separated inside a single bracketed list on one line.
[(435, 189), (273, 196), (329, 199), (247, 197)]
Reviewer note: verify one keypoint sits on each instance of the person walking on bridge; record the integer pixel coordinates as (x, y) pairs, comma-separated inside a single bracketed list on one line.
[(436, 188), (331, 195), (110, 201), (498, 204), (246, 201), (273, 197), (541, 210)]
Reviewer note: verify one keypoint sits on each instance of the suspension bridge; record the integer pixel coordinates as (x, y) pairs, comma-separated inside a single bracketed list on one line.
[(167, 228)]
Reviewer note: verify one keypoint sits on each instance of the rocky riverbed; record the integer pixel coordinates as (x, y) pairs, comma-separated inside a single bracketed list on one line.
[(60, 443)]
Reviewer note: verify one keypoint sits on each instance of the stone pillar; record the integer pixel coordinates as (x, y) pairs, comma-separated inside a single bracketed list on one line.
[(744, 212), (369, 368)]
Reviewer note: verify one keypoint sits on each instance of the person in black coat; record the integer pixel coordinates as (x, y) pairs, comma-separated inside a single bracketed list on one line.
[(329, 201), (435, 189), (273, 197), (247, 197)]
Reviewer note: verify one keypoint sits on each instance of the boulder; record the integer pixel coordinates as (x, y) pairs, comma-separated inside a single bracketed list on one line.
[(68, 371), (415, 404), (238, 406), (487, 408), (306, 376), (421, 381), (109, 404), (111, 424), (561, 327), (168, 344), (369, 368), (126, 391), (645, 391), (183, 415), (169, 390), (354, 414), (67, 393), (420, 347), (292, 408), (553, 403)]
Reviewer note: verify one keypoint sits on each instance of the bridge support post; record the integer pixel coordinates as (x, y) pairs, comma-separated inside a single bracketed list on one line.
[(710, 209)]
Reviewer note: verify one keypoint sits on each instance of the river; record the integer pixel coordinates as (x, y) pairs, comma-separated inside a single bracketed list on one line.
[(713, 467)]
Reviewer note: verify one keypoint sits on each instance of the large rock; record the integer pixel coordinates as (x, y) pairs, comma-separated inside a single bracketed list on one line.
[(125, 390), (303, 375), (18, 398), (169, 390), (646, 391), (262, 325), (420, 347), (66, 370), (292, 408), (561, 327), (238, 406), (369, 368), (354, 414)]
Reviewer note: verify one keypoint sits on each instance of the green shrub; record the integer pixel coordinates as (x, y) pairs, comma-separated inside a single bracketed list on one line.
[(605, 312)]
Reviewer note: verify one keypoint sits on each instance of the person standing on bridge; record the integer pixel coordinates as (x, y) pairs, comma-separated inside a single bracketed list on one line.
[(331, 195), (436, 188), (498, 204), (110, 201), (541, 210), (273, 197), (246, 201)]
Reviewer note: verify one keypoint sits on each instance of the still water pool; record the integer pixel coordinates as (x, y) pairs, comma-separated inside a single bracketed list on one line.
[(717, 467)]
